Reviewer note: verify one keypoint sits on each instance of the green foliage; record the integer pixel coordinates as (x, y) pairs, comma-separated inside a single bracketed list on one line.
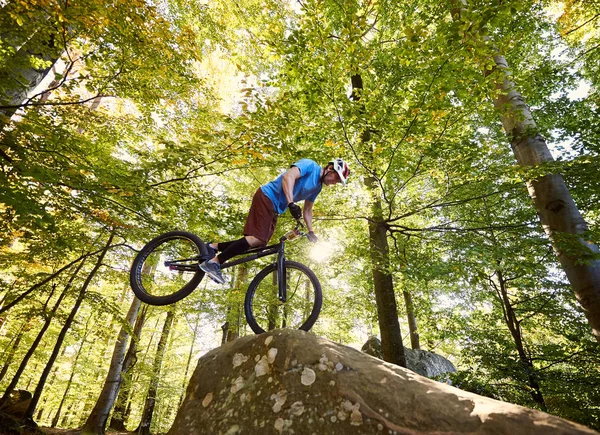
[(169, 116)]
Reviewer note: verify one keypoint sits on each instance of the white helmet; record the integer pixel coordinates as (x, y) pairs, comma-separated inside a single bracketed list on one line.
[(341, 167)]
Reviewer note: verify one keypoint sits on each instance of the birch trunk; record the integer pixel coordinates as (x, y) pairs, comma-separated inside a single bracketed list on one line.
[(558, 213), (144, 428), (96, 422), (556, 209), (117, 422)]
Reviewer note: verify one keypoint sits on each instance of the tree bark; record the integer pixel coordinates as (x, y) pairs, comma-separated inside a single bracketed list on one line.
[(556, 209), (514, 326), (412, 321), (72, 375), (49, 384), (25, 80), (147, 414), (387, 311), (96, 422), (189, 361), (234, 311), (8, 356), (117, 421), (63, 333)]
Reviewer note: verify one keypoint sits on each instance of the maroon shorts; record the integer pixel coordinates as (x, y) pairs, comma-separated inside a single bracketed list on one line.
[(262, 218)]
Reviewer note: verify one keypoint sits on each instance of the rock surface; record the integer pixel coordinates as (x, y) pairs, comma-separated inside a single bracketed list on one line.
[(293, 382), (420, 361), (17, 403)]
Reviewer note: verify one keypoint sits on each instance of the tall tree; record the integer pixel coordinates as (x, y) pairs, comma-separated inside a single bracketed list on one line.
[(558, 213), (151, 396), (63, 332), (86, 332), (96, 421), (391, 338), (48, 319), (118, 418)]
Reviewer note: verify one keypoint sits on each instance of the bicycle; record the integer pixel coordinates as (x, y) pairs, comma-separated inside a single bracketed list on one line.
[(285, 294)]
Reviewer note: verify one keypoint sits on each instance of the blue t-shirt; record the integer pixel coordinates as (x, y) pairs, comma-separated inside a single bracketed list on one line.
[(307, 186)]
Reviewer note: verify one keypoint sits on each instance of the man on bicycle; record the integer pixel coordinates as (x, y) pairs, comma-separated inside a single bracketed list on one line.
[(302, 182)]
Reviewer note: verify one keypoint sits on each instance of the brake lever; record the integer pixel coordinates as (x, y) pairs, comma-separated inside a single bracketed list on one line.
[(299, 227)]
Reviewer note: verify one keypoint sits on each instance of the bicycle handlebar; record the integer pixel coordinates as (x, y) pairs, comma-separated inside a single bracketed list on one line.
[(295, 233)]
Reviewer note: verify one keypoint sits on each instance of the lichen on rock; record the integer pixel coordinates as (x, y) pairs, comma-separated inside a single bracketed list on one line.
[(317, 386)]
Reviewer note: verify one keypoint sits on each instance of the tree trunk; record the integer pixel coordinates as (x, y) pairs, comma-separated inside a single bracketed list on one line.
[(8, 356), (387, 311), (225, 329), (96, 422), (70, 381), (117, 421), (25, 79), (514, 327), (63, 333), (412, 321), (39, 336), (273, 312), (235, 312), (147, 414), (135, 381), (49, 384), (189, 361), (555, 206), (556, 209)]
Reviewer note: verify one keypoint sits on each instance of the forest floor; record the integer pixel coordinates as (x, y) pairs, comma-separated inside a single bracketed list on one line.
[(54, 431)]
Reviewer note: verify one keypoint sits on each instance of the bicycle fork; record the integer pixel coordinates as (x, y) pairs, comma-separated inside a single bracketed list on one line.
[(281, 277)]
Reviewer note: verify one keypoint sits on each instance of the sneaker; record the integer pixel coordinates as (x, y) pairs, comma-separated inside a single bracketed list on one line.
[(212, 252), (213, 270)]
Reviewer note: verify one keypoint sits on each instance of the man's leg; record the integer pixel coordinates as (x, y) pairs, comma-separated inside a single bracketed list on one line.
[(260, 222), (253, 242)]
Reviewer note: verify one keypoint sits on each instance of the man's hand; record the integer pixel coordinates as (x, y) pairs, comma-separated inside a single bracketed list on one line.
[(295, 210), (311, 236)]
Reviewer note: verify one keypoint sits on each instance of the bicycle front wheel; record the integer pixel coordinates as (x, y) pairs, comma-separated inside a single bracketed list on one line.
[(167, 269), (264, 311)]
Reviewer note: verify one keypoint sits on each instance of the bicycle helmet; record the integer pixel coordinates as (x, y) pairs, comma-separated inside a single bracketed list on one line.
[(341, 167)]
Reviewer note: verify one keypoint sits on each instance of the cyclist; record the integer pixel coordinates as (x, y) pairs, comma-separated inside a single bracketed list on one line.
[(302, 182)]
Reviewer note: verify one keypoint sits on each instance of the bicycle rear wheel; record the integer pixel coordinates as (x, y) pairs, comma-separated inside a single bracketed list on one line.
[(167, 269), (264, 311)]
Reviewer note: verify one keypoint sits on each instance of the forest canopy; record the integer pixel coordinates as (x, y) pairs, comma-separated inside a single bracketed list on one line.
[(469, 226)]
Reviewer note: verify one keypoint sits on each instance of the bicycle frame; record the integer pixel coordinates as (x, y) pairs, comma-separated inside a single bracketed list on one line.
[(256, 253), (253, 254)]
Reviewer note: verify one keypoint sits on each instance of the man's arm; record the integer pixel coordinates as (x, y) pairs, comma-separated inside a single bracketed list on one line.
[(307, 214), (288, 181)]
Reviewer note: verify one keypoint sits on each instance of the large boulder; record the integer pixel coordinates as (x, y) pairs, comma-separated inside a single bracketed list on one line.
[(294, 382), (420, 361)]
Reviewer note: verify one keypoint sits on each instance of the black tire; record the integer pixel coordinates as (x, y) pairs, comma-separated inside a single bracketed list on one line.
[(156, 284), (263, 309)]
